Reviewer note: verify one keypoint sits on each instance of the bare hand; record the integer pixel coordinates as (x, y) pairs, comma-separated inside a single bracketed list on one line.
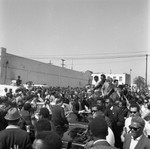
[(15, 147)]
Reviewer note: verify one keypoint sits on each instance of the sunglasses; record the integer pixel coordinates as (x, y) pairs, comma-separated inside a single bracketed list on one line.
[(134, 112), (93, 111), (134, 128)]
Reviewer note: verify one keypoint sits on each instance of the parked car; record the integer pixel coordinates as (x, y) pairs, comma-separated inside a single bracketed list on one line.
[(75, 137)]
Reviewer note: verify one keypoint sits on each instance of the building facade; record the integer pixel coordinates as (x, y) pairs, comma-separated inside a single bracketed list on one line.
[(12, 66)]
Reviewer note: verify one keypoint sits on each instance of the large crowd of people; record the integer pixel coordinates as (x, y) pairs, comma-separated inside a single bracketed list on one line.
[(36, 117)]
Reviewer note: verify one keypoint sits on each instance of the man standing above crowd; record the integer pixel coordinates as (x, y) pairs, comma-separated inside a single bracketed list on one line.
[(18, 81), (100, 83)]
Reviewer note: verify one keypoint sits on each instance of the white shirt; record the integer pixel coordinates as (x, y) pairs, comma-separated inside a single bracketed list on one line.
[(134, 142), (110, 137), (128, 123), (12, 126)]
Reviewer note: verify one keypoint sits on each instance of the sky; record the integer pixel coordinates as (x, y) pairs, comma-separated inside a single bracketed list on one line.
[(103, 36)]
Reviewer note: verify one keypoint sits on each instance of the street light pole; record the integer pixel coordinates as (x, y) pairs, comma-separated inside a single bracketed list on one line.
[(130, 76)]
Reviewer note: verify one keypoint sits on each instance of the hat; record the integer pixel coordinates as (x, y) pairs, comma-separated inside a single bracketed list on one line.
[(12, 114), (138, 120)]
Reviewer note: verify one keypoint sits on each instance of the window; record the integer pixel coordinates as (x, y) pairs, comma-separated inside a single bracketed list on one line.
[(120, 78), (114, 77)]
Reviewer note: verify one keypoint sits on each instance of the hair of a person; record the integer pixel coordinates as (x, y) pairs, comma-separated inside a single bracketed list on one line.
[(44, 112), (50, 140), (102, 75), (27, 106), (138, 120), (96, 77), (98, 127), (135, 105), (43, 125), (59, 100), (115, 80)]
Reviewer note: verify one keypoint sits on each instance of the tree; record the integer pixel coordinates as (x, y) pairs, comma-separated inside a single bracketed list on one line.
[(140, 82)]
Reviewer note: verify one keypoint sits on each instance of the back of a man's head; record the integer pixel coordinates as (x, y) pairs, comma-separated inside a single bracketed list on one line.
[(98, 127), (42, 125), (47, 140), (44, 112)]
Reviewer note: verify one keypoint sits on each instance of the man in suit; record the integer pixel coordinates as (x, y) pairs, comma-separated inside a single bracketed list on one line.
[(136, 139), (58, 117), (99, 130), (13, 135)]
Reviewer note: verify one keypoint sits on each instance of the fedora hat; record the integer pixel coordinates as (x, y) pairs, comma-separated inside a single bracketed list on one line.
[(12, 114)]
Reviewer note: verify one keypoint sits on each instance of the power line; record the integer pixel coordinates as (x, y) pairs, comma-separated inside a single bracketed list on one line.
[(106, 62), (97, 57), (67, 55)]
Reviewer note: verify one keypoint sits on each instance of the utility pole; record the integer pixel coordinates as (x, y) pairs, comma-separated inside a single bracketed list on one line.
[(130, 77), (63, 64), (146, 69)]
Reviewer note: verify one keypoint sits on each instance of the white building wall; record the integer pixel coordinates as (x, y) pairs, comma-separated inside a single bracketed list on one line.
[(38, 72)]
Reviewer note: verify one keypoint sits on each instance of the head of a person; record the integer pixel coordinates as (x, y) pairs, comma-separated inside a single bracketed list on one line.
[(109, 79), (94, 110), (100, 102), (134, 110), (108, 102), (12, 116), (115, 82), (47, 140), (96, 78), (136, 127), (44, 113), (122, 103), (59, 101), (42, 125), (20, 104), (103, 77), (98, 128), (27, 106), (5, 89)]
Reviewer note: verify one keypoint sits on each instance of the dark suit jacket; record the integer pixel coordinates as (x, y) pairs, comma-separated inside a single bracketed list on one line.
[(112, 114), (144, 142), (58, 116), (102, 145)]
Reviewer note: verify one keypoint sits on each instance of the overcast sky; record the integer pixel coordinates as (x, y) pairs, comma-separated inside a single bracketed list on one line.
[(109, 36)]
